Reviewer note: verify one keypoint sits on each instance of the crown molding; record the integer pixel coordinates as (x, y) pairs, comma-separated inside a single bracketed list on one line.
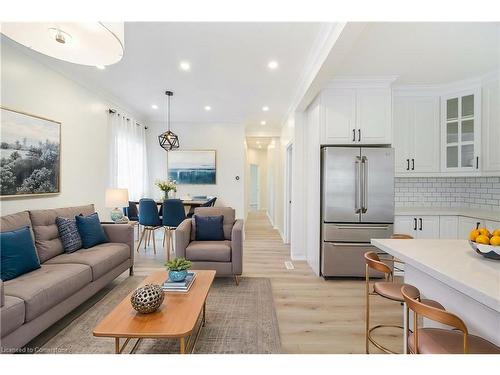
[(362, 82), (445, 88)]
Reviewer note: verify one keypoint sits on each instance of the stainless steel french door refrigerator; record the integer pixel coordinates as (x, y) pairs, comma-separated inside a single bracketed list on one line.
[(357, 205)]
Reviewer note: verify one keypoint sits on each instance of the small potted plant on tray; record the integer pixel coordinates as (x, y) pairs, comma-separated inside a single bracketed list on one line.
[(177, 269)]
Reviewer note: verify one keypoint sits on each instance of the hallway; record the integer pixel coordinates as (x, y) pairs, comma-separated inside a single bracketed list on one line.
[(314, 315)]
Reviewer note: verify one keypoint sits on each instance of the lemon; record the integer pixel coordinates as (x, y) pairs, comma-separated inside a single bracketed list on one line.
[(484, 232), (473, 234), (482, 239), (495, 241)]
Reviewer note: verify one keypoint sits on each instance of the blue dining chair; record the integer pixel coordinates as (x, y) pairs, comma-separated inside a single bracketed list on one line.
[(133, 214), (150, 220), (173, 215), (209, 203)]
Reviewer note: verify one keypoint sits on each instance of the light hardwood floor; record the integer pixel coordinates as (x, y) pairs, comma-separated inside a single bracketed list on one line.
[(314, 315)]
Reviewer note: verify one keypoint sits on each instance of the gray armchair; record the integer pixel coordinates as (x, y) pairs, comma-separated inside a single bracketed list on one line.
[(225, 257)]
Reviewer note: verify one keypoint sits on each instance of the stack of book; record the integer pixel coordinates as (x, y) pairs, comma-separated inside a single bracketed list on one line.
[(179, 286)]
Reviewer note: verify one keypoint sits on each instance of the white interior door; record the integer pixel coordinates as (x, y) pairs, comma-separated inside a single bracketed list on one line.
[(254, 187)]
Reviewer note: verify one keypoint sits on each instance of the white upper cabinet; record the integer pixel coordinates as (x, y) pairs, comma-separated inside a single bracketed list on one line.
[(491, 127), (339, 116), (416, 134), (461, 131), (356, 116), (404, 127), (373, 116)]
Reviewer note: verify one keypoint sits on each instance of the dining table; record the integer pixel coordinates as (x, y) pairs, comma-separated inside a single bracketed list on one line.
[(189, 204)]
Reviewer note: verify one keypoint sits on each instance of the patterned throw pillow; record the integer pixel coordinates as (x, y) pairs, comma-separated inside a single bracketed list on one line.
[(68, 231)]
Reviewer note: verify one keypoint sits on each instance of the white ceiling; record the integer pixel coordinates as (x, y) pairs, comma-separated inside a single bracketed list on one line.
[(259, 143), (417, 52), (228, 70), (424, 53)]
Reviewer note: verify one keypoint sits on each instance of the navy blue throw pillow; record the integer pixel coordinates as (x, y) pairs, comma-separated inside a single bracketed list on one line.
[(90, 230), (17, 253), (68, 232), (209, 228)]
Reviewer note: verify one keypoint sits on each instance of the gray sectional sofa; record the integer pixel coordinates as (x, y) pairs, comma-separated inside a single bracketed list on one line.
[(34, 301)]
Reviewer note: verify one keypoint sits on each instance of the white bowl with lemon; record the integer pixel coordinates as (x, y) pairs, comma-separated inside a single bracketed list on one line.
[(485, 243)]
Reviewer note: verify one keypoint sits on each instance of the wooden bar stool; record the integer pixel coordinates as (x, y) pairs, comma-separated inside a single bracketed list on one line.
[(400, 236), (437, 340), (386, 289)]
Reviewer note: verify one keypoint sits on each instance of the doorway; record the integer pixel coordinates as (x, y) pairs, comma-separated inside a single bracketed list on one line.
[(288, 193), (254, 187)]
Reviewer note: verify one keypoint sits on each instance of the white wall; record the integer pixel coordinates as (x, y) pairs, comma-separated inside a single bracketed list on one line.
[(312, 191), (227, 139), (292, 133), (32, 87), (259, 157)]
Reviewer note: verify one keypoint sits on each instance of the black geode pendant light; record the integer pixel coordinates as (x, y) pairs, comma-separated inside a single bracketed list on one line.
[(168, 140)]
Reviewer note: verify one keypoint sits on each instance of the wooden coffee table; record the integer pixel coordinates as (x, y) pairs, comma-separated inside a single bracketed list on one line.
[(180, 316)]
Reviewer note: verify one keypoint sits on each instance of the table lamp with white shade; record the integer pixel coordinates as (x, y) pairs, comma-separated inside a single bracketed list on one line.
[(117, 199)]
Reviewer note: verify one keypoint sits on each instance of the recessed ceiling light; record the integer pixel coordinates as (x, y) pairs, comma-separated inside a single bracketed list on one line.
[(265, 108), (154, 106), (100, 67), (185, 65), (258, 142), (260, 146), (263, 122), (273, 64), (208, 108)]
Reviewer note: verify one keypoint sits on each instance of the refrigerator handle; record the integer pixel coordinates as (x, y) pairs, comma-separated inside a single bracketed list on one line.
[(364, 194), (357, 174)]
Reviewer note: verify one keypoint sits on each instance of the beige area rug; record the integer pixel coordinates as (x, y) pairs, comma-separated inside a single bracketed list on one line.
[(239, 319)]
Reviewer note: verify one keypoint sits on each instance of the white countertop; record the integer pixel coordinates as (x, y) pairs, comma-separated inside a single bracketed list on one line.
[(438, 211), (452, 262)]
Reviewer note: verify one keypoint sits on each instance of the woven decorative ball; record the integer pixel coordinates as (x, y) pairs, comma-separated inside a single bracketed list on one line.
[(147, 298)]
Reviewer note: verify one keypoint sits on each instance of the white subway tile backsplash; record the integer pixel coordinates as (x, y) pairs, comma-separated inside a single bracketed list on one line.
[(464, 192)]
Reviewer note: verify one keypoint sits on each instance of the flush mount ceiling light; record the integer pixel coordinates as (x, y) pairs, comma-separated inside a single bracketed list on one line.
[(168, 140), (208, 108), (265, 108), (272, 65), (93, 44), (185, 66)]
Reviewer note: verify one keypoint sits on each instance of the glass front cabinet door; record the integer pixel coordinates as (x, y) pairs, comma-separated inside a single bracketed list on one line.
[(461, 131)]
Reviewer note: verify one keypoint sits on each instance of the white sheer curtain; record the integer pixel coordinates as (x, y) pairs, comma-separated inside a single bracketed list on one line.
[(127, 156)]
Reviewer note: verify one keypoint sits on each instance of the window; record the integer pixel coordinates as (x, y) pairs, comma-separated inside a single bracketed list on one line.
[(128, 158)]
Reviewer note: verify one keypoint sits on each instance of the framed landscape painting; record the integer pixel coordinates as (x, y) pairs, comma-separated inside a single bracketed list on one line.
[(197, 167), (30, 155)]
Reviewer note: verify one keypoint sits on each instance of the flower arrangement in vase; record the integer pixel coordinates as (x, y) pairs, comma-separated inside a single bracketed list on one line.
[(167, 186), (177, 269)]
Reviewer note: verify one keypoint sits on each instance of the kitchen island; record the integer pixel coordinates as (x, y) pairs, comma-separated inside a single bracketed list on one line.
[(450, 272)]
